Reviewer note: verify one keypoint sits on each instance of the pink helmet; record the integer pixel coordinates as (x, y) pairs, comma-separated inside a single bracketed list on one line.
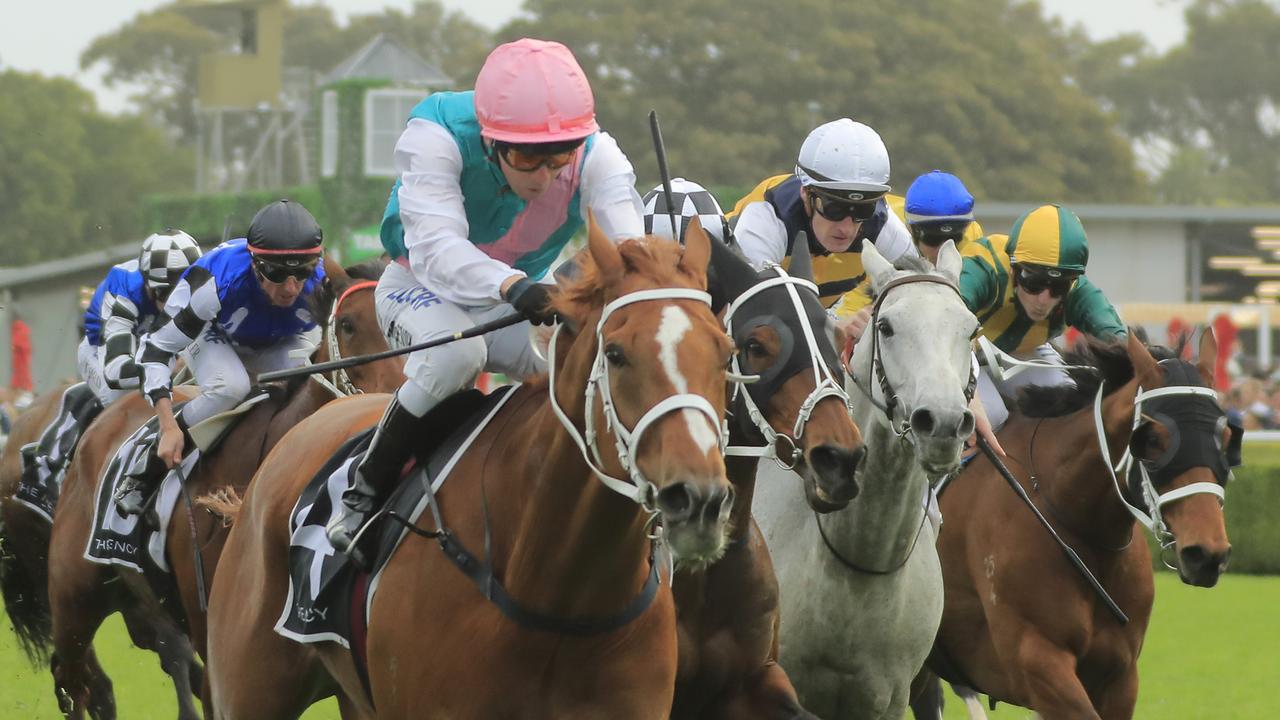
[(534, 91)]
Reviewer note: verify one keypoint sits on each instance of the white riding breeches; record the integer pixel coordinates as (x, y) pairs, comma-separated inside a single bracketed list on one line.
[(410, 314), (225, 371), (993, 393), (89, 361)]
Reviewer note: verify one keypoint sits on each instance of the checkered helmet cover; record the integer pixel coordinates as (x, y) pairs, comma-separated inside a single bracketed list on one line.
[(690, 200), (165, 256)]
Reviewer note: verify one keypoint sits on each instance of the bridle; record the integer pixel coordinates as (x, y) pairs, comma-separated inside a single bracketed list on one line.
[(825, 383), (891, 403), (338, 382), (637, 487)]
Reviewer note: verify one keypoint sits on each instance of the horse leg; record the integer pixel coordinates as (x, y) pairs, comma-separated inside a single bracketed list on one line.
[(1117, 701), (926, 696), (1049, 673), (177, 658), (972, 702), (79, 601), (766, 696)]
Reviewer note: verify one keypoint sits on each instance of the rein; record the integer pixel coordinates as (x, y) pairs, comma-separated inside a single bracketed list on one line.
[(825, 384), (339, 383)]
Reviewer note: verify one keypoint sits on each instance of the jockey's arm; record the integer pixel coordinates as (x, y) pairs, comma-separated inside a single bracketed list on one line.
[(119, 319), (1089, 311), (608, 190), (192, 305), (761, 235)]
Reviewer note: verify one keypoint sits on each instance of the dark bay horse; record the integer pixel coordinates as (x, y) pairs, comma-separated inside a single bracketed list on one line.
[(24, 535), (644, 372), (1019, 623), (83, 593), (797, 410)]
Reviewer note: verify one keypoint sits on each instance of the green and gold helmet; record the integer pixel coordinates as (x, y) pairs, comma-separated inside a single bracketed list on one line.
[(1049, 236)]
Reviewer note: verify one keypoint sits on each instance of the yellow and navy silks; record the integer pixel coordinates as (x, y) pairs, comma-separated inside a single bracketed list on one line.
[(986, 284), (861, 296), (835, 273)]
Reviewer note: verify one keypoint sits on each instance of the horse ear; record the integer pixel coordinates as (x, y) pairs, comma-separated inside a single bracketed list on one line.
[(729, 275), (879, 269), (334, 271), (801, 258), (1208, 355), (949, 261), (1145, 367), (607, 258), (697, 251)]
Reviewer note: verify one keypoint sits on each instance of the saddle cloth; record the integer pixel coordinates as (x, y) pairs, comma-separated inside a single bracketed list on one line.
[(45, 461), (329, 598)]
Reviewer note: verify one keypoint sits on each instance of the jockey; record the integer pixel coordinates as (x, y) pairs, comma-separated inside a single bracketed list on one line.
[(1026, 288), (937, 208), (689, 200), (123, 308), (836, 196), (493, 183), (241, 308)]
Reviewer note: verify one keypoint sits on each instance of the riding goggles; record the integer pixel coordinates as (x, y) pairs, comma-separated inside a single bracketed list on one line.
[(1036, 282), (837, 210), (523, 161), (279, 272), (935, 234)]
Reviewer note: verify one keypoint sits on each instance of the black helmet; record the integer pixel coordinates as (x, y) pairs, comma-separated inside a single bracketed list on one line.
[(285, 227)]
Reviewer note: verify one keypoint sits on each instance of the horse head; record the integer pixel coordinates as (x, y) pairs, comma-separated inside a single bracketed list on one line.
[(652, 359), (914, 359), (1184, 450), (346, 305), (784, 337)]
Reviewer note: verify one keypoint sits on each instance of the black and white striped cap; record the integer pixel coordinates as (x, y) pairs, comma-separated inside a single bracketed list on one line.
[(165, 256), (690, 200)]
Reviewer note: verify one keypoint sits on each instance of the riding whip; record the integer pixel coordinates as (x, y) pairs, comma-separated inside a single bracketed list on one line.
[(1066, 549), (661, 151), (201, 591), (476, 331)]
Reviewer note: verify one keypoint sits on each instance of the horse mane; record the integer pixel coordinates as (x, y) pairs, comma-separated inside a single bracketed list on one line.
[(914, 263), (654, 258), (1110, 365), (321, 301)]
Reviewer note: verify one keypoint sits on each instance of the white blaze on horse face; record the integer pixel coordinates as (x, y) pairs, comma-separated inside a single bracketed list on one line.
[(675, 323)]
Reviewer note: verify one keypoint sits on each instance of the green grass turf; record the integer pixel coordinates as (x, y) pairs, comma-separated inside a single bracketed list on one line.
[(1209, 654)]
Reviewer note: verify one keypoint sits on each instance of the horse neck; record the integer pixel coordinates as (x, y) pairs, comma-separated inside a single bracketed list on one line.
[(879, 527), (1076, 478), (580, 549)]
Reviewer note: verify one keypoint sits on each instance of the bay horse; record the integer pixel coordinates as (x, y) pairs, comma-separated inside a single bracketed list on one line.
[(796, 414), (1020, 624), (645, 373), (84, 593), (24, 535), (862, 587)]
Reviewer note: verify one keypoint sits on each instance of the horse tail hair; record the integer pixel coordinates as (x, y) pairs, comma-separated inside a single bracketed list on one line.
[(224, 502), (25, 603)]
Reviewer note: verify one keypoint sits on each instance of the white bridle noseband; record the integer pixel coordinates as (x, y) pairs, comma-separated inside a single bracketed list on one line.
[(825, 384), (638, 488)]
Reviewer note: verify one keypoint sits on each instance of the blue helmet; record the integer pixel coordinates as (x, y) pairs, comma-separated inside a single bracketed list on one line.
[(938, 196)]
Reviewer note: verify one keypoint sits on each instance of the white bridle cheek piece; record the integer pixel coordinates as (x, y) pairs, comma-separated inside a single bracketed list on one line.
[(825, 384), (639, 488), (1154, 523)]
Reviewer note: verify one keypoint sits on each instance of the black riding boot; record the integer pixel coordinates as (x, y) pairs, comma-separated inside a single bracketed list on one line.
[(138, 486), (375, 478)]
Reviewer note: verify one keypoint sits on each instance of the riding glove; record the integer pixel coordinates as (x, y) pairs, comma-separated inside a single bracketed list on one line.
[(533, 300)]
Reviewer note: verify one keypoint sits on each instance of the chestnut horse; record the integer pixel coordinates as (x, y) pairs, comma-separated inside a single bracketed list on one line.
[(24, 535), (645, 375), (796, 413), (1020, 624), (83, 593)]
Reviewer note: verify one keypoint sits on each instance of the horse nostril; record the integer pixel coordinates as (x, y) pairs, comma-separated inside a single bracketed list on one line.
[(676, 501), (833, 461), (719, 505), (922, 422), (1193, 556), (967, 424)]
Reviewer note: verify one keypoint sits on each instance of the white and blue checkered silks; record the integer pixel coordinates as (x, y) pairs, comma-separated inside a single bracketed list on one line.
[(165, 256), (690, 200)]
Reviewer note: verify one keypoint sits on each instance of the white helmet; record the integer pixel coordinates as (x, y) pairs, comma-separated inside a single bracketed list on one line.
[(845, 158), (690, 200), (165, 256)]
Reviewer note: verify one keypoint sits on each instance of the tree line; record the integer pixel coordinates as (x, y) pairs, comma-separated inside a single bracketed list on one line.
[(1020, 106)]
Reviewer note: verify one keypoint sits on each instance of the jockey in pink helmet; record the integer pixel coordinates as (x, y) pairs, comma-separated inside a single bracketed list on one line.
[(491, 186)]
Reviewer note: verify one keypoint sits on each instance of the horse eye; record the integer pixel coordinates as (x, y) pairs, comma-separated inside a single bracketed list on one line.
[(755, 347), (615, 356), (885, 328), (346, 326)]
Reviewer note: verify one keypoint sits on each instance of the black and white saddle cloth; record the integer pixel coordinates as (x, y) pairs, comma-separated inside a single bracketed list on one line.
[(44, 462), (119, 539), (329, 598)]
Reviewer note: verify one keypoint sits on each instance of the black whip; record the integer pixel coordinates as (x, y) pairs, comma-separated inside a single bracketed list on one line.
[(661, 151)]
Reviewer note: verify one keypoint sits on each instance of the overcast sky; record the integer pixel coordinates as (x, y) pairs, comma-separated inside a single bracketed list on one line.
[(49, 36)]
